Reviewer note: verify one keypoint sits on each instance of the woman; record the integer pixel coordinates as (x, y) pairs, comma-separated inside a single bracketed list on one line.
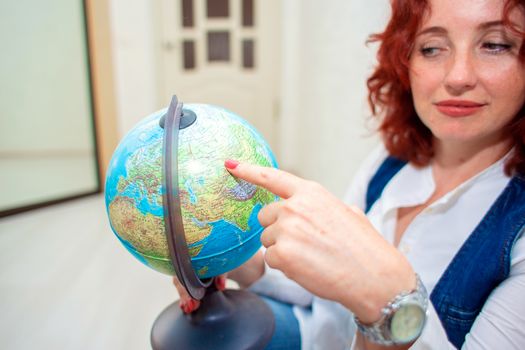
[(444, 198)]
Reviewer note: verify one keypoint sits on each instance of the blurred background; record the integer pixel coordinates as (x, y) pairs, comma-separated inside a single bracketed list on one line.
[(76, 75)]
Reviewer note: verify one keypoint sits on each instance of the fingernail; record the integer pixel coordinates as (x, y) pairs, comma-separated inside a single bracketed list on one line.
[(231, 164), (220, 283), (187, 306), (182, 306), (193, 305)]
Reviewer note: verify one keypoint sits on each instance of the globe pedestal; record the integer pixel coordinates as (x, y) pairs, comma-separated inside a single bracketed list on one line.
[(229, 320)]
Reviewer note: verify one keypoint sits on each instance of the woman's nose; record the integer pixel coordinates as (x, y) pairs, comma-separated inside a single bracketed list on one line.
[(461, 73)]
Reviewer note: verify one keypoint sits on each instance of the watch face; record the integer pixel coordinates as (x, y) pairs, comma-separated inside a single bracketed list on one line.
[(407, 323)]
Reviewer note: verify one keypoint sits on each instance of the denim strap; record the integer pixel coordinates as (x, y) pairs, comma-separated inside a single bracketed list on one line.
[(384, 174), (481, 264)]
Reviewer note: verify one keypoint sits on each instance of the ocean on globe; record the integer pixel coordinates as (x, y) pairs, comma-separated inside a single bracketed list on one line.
[(219, 212)]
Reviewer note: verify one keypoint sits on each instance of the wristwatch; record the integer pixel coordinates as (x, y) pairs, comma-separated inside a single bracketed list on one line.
[(402, 320)]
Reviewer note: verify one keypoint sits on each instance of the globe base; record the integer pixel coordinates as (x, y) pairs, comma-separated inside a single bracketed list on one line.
[(230, 320)]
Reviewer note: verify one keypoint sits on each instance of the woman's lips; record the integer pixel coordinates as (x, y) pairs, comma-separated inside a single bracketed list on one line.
[(459, 108)]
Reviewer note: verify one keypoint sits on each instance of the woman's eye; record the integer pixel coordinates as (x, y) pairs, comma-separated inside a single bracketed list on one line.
[(495, 48), (430, 51)]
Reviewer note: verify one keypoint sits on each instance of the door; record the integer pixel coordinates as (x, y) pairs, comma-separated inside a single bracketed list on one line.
[(224, 52)]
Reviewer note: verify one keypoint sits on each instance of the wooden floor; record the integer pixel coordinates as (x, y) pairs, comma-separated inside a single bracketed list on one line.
[(67, 283)]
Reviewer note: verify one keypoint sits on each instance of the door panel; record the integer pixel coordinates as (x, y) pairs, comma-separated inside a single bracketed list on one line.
[(225, 53)]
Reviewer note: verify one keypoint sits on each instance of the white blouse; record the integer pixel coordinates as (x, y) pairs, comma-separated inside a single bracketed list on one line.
[(429, 243)]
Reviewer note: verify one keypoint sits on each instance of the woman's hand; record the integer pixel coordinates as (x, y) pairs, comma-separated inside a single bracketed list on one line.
[(244, 275), (186, 303), (329, 248)]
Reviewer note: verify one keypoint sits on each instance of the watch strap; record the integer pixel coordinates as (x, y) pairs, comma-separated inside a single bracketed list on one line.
[(379, 331)]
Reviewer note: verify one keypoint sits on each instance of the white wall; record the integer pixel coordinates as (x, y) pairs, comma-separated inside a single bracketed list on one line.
[(324, 97), (135, 42), (47, 149), (44, 65), (324, 134)]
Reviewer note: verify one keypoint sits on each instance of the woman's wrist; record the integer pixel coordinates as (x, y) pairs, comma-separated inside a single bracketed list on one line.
[(402, 320), (368, 301)]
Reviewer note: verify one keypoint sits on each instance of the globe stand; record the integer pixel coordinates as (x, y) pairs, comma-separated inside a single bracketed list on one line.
[(230, 320)]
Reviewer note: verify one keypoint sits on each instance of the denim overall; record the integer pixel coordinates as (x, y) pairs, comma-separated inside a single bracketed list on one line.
[(482, 262)]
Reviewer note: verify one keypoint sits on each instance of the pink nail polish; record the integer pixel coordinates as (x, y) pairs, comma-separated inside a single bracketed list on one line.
[(183, 307), (194, 305), (231, 164), (220, 283)]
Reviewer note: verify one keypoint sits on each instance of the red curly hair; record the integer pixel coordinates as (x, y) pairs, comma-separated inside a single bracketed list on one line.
[(389, 95)]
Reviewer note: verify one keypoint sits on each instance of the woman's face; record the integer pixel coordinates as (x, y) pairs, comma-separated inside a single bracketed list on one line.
[(465, 74)]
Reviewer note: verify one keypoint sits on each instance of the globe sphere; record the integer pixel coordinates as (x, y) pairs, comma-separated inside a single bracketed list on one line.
[(219, 212)]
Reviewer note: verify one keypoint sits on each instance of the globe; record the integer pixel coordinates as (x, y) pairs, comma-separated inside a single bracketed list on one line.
[(219, 212)]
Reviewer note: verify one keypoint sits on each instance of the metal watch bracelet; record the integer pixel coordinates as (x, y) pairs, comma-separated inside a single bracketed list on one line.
[(379, 332)]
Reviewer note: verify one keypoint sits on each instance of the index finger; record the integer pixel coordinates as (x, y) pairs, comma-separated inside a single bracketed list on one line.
[(279, 182)]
